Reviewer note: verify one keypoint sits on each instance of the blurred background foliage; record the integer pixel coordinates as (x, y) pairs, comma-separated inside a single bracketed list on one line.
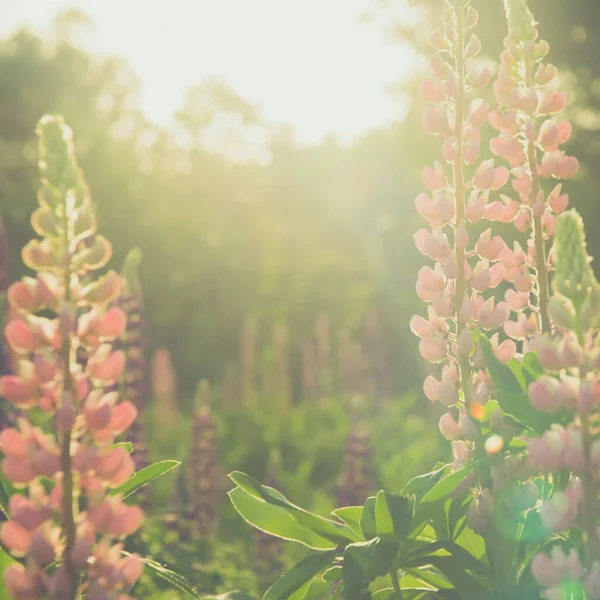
[(286, 282)]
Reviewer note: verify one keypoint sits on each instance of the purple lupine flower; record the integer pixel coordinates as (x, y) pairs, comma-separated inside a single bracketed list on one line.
[(357, 472), (7, 412), (203, 471), (268, 549)]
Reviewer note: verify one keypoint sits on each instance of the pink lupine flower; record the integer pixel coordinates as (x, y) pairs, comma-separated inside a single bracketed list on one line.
[(23, 584), (515, 300), (449, 427), (19, 391), (465, 342), (571, 353), (548, 353), (546, 394), (23, 295), (462, 454), (114, 465), (432, 91), (589, 396), (430, 282), (434, 178), (431, 388), (476, 206), (487, 177), (558, 514), (509, 148), (552, 102), (472, 144), (521, 329), (433, 350), (432, 244), (435, 120), (478, 112), (546, 452), (544, 570), (106, 366), (443, 304), (490, 247), (493, 317), (16, 538), (523, 281), (42, 550), (504, 351)]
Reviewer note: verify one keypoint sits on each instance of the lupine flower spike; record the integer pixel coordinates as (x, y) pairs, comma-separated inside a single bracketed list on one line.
[(457, 286), (571, 359), (133, 385), (268, 549), (71, 533), (531, 134), (203, 473), (357, 471)]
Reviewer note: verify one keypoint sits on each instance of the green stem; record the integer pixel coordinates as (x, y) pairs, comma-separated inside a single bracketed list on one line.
[(588, 481), (459, 193), (396, 584), (65, 456), (590, 497), (539, 244)]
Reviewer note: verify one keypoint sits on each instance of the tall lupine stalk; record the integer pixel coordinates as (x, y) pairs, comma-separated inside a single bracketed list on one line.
[(248, 356), (6, 414), (459, 197), (268, 550), (530, 139), (67, 535), (164, 392), (133, 385), (571, 386), (203, 473), (357, 470)]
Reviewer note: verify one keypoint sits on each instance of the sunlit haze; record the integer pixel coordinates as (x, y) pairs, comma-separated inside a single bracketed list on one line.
[(311, 63)]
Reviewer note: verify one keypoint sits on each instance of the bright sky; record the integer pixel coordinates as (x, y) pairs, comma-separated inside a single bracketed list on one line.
[(310, 63)]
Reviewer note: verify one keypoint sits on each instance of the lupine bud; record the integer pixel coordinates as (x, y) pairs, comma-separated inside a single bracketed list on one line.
[(465, 342), (574, 277)]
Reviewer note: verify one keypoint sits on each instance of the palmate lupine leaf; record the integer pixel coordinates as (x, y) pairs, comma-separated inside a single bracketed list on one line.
[(145, 476)]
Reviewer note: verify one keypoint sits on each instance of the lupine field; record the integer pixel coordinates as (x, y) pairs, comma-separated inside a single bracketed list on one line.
[(351, 371)]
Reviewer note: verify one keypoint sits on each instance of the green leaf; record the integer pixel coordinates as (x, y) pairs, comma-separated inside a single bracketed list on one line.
[(365, 561), (175, 579), (4, 498), (520, 408), (384, 594), (144, 476), (368, 520), (449, 549), (420, 485), (462, 569), (300, 594), (393, 515), (351, 516), (446, 486), (333, 573), (426, 575), (277, 520), (127, 445), (298, 576), (335, 533), (235, 595), (532, 369)]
